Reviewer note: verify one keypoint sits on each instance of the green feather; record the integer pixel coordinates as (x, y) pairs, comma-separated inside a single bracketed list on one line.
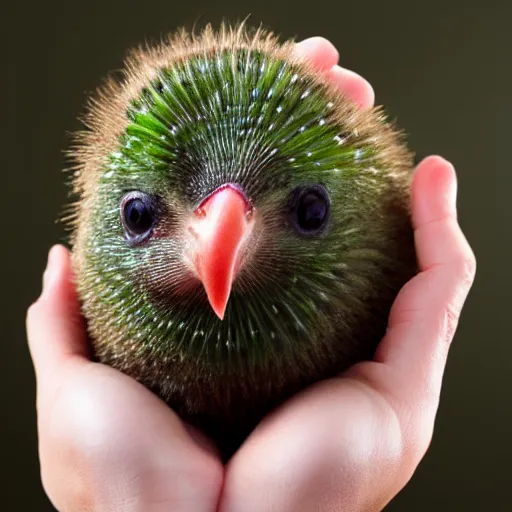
[(303, 308)]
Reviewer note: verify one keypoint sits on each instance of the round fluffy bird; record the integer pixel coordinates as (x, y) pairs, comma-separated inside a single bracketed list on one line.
[(241, 229)]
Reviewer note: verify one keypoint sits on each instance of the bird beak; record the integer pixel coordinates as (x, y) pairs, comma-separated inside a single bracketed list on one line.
[(219, 228)]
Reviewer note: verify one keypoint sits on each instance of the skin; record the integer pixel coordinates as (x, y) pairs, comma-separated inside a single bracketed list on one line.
[(349, 443)]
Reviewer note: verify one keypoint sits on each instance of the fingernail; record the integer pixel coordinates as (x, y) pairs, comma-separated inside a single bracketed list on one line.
[(49, 271)]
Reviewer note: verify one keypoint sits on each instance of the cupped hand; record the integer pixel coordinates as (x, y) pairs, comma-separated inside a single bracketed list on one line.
[(345, 444), (351, 443), (106, 443)]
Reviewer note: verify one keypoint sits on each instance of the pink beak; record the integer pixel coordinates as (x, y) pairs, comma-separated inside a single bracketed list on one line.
[(221, 225)]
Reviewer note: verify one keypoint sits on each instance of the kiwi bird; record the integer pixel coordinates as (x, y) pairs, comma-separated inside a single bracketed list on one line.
[(241, 229)]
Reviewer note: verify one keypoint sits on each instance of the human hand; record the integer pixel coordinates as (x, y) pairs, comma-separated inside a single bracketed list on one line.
[(351, 443), (106, 443)]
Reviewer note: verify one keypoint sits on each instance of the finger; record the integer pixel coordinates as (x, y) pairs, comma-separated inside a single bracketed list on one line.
[(324, 57), (55, 327), (353, 86), (424, 316), (322, 53)]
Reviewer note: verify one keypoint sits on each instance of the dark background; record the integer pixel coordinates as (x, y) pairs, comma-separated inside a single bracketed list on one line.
[(442, 68)]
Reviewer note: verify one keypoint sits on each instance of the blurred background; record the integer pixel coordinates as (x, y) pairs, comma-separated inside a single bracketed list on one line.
[(441, 68)]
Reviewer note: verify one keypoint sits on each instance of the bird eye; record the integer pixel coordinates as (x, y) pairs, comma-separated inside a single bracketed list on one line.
[(311, 207), (138, 215)]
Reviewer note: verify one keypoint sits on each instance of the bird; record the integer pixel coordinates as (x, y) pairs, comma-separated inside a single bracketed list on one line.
[(240, 228)]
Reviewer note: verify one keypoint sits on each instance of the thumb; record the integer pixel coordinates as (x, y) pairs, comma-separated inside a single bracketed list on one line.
[(55, 327)]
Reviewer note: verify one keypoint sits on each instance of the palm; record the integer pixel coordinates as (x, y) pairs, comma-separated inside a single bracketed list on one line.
[(101, 404)]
